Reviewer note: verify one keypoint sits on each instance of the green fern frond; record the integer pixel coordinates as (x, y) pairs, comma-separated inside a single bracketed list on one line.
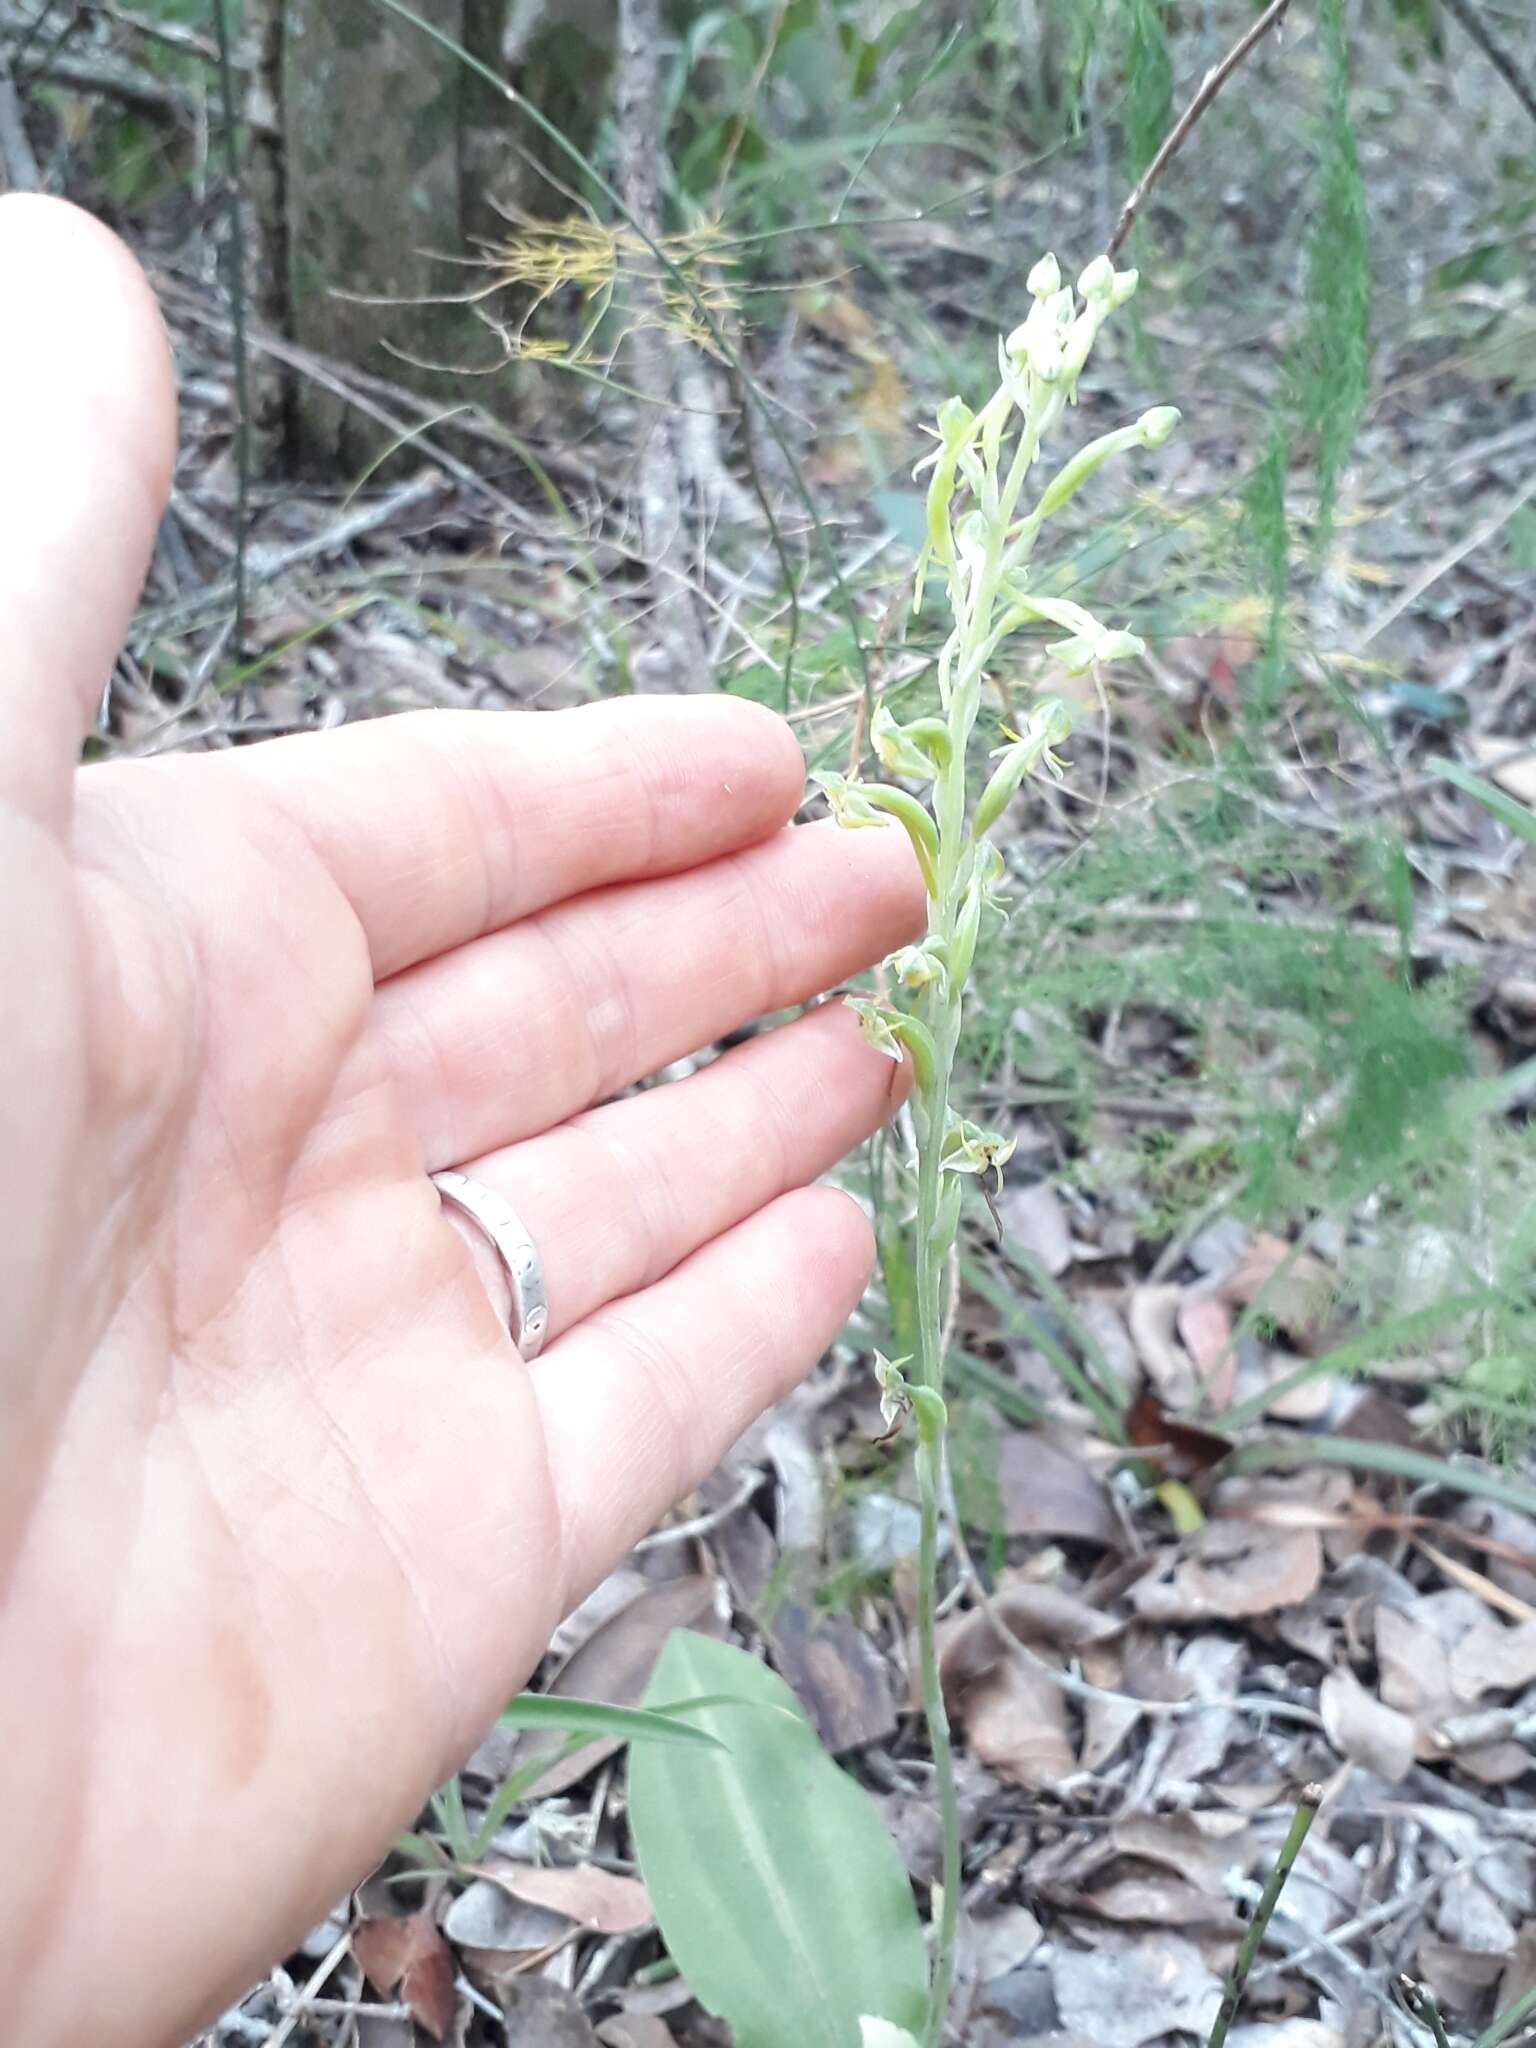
[(1333, 361)]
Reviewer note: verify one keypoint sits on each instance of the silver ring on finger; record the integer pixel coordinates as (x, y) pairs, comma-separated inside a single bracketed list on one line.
[(501, 1225)]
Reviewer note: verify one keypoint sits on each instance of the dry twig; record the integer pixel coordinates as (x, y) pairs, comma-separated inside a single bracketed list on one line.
[(1471, 18), (1178, 134)]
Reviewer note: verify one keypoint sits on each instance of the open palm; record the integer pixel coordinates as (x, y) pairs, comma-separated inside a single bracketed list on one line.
[(283, 1516)]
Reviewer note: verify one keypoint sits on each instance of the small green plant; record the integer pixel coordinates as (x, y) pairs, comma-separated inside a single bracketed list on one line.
[(984, 519)]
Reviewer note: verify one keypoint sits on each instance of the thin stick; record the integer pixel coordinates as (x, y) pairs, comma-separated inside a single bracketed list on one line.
[(237, 282), (1306, 1812), (86, 74), (1178, 134), (1478, 537), (1471, 19)]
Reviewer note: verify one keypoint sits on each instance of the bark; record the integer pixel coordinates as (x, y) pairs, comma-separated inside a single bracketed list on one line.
[(374, 121), (652, 353), (266, 280)]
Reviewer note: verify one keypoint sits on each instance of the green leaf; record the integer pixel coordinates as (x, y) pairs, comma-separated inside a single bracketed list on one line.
[(778, 1890), (592, 1717), (1507, 809)]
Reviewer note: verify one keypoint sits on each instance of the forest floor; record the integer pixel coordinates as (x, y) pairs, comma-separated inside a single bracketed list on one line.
[(1263, 1028)]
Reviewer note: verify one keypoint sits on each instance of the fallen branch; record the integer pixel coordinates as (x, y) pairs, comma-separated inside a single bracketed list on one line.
[(1178, 134), (134, 88)]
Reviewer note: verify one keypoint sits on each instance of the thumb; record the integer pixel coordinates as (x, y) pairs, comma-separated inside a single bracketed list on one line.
[(87, 441)]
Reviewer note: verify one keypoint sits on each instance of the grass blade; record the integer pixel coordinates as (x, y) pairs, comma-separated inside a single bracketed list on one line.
[(589, 1718)]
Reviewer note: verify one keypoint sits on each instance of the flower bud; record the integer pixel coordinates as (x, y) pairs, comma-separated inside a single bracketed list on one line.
[(1123, 288), (1120, 646), (1157, 424), (1045, 279), (1098, 280), (916, 967)]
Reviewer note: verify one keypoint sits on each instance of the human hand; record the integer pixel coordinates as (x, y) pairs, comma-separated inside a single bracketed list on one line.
[(284, 1518)]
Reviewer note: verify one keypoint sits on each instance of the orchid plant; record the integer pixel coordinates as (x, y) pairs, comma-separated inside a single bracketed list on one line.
[(720, 1911)]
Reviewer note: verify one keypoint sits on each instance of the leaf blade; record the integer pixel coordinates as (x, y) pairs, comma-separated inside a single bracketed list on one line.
[(1509, 810), (595, 1717), (777, 1888)]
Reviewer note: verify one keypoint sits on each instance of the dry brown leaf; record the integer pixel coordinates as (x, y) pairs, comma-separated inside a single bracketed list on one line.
[(1106, 1722), (1105, 1325), (1204, 1323), (1016, 1721), (600, 1900), (1413, 1663), (992, 1944), (1307, 1402), (636, 2030), (1520, 1971), (1232, 1569), (1425, 1673), (1034, 1219), (1142, 1850), (1039, 1616), (538, 2013), (1156, 1901), (1152, 1318), (1518, 776), (498, 1933), (1459, 1977), (1493, 1658), (836, 1672), (1048, 1492), (1495, 1763), (1297, 1299), (1468, 1914), (1175, 1841), (1362, 1729), (1183, 1450), (1129, 1988), (410, 1957)]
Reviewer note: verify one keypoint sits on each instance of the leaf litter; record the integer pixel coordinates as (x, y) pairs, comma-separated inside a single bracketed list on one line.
[(1128, 1771)]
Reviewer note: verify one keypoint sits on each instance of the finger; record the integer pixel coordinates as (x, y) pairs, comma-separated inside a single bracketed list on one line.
[(618, 1197), (508, 1036), (442, 825), (643, 1399), (87, 440)]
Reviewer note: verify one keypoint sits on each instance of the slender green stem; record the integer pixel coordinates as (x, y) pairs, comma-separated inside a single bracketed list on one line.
[(1306, 1812), (1508, 2021), (1420, 2001), (930, 1460)]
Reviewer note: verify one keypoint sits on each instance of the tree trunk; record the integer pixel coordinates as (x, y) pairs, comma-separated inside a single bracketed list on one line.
[(375, 115)]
